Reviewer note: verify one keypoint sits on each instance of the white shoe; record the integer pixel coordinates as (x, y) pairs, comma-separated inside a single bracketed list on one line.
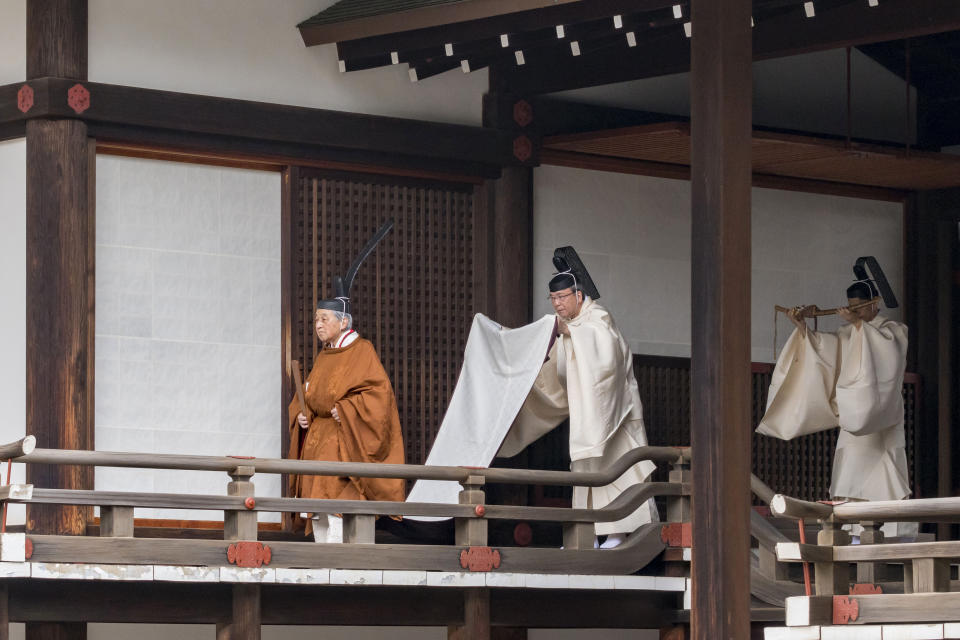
[(614, 540), (327, 528)]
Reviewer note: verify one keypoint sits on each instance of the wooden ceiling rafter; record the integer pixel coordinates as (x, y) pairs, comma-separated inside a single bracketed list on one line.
[(667, 144)]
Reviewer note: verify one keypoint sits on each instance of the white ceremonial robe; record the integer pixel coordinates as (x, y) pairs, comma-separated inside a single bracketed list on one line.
[(589, 377), (852, 379)]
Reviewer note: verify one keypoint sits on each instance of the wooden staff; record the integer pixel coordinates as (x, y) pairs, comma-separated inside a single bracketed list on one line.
[(813, 311), (298, 384)]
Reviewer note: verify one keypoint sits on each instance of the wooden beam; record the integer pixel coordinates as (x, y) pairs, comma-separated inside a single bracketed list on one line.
[(682, 172), (438, 15), (721, 94), (785, 35), (493, 27), (877, 609)]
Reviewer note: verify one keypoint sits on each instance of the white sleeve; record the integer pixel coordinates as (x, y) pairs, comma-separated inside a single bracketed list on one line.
[(801, 395), (870, 382)]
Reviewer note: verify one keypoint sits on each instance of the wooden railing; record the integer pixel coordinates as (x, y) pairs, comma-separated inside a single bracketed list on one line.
[(241, 507)]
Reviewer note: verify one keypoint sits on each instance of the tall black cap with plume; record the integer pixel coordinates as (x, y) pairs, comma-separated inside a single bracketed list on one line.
[(571, 271), (342, 285), (871, 282)]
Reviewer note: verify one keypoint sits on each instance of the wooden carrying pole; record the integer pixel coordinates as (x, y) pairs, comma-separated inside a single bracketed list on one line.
[(298, 384), (813, 311)]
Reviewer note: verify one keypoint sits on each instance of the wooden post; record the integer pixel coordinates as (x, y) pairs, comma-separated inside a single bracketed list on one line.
[(59, 282), (240, 525), (476, 616), (832, 578), (245, 624), (871, 572), (721, 95), (4, 612), (116, 522), (471, 531)]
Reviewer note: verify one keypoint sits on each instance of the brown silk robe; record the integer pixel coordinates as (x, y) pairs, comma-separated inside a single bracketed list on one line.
[(352, 379)]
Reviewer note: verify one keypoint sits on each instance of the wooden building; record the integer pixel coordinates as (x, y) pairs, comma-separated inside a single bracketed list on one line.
[(179, 183)]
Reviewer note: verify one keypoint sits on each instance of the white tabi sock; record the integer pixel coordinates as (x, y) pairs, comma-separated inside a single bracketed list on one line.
[(613, 540)]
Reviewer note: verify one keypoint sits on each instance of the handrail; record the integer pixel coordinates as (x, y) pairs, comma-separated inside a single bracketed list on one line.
[(355, 469), (924, 509), (761, 490), (620, 507), (787, 507)]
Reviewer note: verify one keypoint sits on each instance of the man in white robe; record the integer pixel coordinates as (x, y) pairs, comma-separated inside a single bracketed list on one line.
[(588, 377), (852, 379)]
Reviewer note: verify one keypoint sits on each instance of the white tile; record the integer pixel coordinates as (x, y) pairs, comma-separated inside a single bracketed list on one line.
[(951, 630), (356, 576), (664, 583), (179, 573), (303, 576), (405, 578), (13, 547), (852, 632), (14, 569), (646, 583), (547, 581), (575, 581), (455, 579), (791, 633), (244, 574), (119, 572), (57, 571), (912, 631), (498, 579)]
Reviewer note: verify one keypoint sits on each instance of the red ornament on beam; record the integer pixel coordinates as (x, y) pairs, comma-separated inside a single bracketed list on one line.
[(78, 97), (249, 554), (25, 98)]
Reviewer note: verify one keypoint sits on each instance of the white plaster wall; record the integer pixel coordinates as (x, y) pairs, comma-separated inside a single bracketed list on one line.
[(13, 297), (633, 234), (13, 41), (805, 93), (252, 50), (188, 320)]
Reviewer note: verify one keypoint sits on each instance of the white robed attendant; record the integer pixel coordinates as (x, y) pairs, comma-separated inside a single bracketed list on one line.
[(588, 377), (851, 379)]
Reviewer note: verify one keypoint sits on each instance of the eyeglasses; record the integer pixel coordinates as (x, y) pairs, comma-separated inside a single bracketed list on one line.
[(558, 298)]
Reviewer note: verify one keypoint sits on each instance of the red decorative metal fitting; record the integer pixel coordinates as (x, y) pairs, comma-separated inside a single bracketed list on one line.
[(28, 548), (865, 589), (25, 98), (522, 534), (480, 559), (480, 510), (833, 503), (78, 98), (249, 503), (522, 148), (248, 554), (522, 113), (845, 610), (677, 534), (243, 457)]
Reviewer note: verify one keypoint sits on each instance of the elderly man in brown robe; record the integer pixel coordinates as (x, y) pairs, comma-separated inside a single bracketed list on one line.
[(353, 415)]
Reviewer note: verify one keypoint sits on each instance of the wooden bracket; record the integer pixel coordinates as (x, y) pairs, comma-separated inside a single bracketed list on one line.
[(248, 554), (480, 559), (677, 534), (845, 610), (865, 589)]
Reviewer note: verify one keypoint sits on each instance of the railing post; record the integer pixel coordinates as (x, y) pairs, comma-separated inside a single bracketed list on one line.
[(240, 524), (870, 572), (116, 522), (471, 531), (929, 575), (358, 528), (832, 578)]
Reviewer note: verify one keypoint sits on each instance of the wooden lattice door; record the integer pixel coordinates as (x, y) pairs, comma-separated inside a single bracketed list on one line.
[(413, 298)]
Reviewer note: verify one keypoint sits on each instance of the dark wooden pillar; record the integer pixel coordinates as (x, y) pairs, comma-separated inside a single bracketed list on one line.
[(509, 206), (246, 620), (476, 617), (721, 95), (59, 283)]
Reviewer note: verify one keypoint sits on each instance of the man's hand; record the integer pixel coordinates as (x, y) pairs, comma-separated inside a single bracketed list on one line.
[(335, 414), (302, 420), (562, 328), (796, 317), (850, 316)]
